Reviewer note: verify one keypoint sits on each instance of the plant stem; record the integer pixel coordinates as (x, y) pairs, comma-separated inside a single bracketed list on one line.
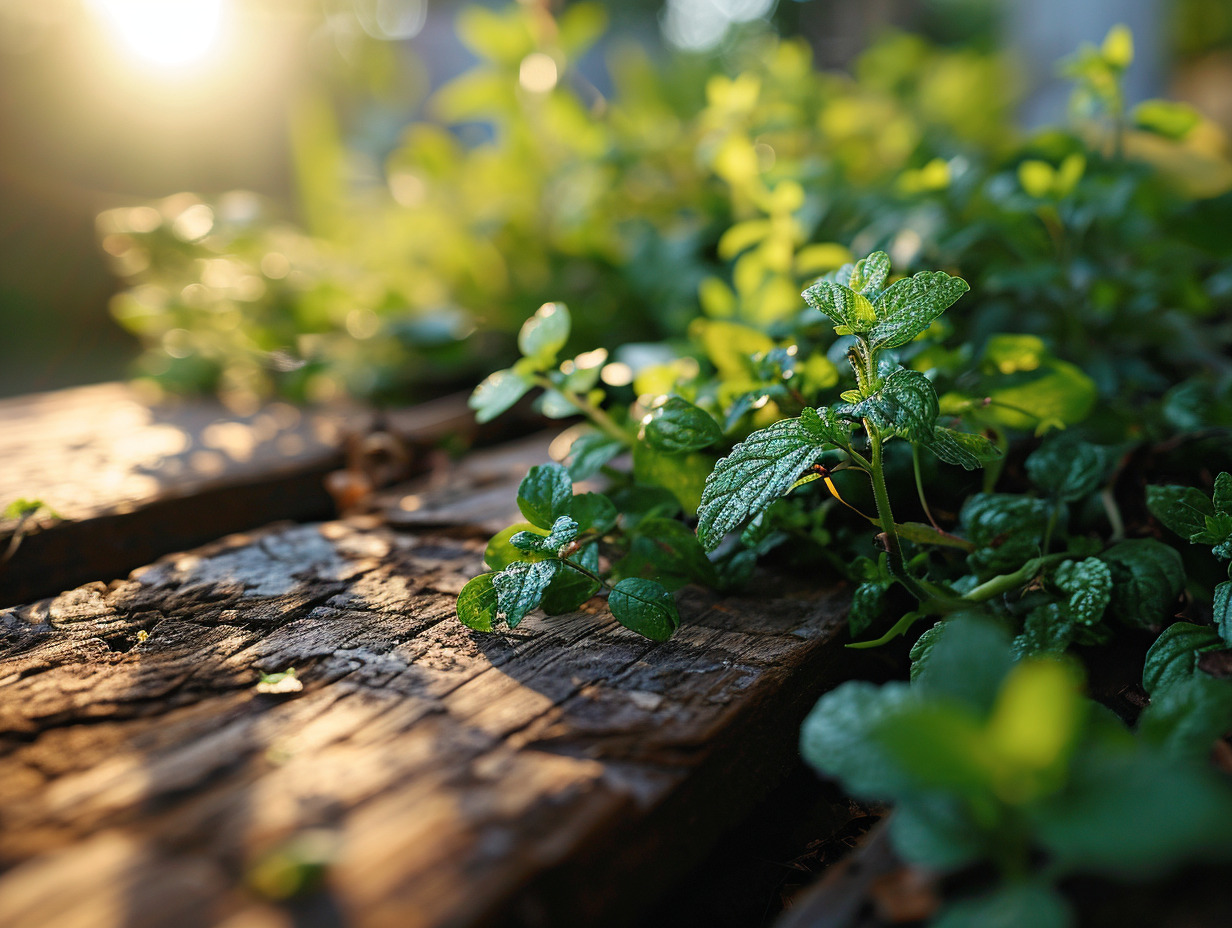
[(886, 516), (582, 570), (919, 486), (594, 413), (1004, 583)]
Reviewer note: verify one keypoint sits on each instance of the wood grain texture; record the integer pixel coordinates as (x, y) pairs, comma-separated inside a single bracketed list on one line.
[(133, 481), (560, 774)]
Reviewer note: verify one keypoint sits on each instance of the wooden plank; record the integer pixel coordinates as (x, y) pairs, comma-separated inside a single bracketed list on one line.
[(134, 481), (560, 774)]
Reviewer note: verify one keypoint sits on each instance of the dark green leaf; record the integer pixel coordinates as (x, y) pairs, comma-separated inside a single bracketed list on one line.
[(936, 831), (1183, 509), (668, 551), (519, 587), (677, 426), (545, 494), (1223, 493), (477, 603), (1006, 529), (1173, 658), (501, 552), (640, 502), (867, 601), (497, 393), (835, 738), (906, 405), (966, 449), (1013, 905), (1147, 577), (909, 306), (1068, 468), (1046, 630), (759, 470), (1089, 585), (594, 512), (922, 650), (590, 452), (967, 662), (1188, 716), (645, 607), (545, 333), (570, 587), (1115, 818), (1222, 604)]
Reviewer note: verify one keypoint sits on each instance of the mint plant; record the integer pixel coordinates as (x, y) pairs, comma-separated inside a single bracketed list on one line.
[(1004, 761)]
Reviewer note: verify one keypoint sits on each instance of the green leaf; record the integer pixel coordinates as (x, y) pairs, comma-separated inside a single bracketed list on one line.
[(1167, 118), (966, 449), (1046, 630), (922, 650), (1147, 577), (477, 603), (683, 475), (570, 587), (1223, 493), (501, 552), (1007, 529), (1068, 468), (1089, 585), (758, 471), (545, 333), (520, 587), (1188, 716), (677, 426), (1184, 510), (869, 274), (1222, 604), (668, 551), (1013, 905), (563, 531), (497, 393), (594, 512), (545, 494), (645, 607), (937, 832), (909, 306), (906, 405), (938, 745), (1135, 814), (967, 661), (867, 602), (835, 738), (590, 451), (1173, 658), (850, 312)]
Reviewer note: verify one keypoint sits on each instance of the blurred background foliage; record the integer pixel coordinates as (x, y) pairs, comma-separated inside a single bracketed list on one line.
[(384, 189)]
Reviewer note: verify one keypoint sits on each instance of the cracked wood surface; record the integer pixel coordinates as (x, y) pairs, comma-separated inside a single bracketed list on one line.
[(560, 774), (133, 481)]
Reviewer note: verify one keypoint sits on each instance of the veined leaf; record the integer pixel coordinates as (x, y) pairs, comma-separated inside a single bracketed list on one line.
[(1173, 657), (645, 607), (910, 305), (966, 449), (759, 470), (496, 393), (1067, 467), (477, 603), (851, 312), (1183, 509), (677, 426), (906, 404), (1089, 585), (570, 587), (869, 274), (520, 587), (545, 494), (563, 531), (1147, 577), (590, 452), (501, 552)]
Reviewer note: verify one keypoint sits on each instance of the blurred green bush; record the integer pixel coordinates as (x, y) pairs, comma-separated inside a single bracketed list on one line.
[(712, 187)]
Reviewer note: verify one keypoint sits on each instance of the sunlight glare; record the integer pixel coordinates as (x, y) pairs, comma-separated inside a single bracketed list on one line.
[(163, 32)]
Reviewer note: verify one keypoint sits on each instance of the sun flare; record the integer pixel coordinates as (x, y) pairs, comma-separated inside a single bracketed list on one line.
[(163, 32)]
